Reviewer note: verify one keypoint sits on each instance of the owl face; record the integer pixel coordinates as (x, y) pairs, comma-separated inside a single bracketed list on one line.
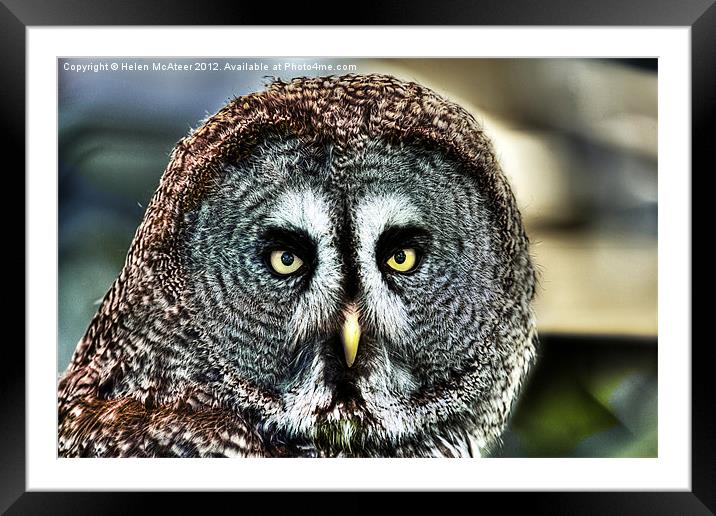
[(362, 302)]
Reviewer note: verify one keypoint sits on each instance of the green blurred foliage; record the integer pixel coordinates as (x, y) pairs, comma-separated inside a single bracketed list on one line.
[(588, 397)]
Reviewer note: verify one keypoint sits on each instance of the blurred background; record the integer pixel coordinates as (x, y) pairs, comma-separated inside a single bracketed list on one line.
[(577, 139)]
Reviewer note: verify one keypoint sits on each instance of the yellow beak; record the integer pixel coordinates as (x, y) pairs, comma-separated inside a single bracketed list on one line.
[(351, 336)]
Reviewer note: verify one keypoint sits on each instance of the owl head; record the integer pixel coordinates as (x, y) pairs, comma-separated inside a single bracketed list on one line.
[(339, 262)]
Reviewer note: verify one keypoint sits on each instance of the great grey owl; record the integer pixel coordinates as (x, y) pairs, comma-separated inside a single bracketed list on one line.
[(334, 266)]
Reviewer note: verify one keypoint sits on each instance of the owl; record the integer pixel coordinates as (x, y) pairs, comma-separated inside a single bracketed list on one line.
[(333, 266)]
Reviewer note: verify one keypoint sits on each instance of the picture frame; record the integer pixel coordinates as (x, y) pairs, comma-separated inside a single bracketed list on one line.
[(16, 16)]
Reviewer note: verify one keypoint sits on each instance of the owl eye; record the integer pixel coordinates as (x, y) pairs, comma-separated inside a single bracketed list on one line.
[(284, 262), (403, 260)]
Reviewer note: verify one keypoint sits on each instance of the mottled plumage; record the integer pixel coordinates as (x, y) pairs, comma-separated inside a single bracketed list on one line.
[(287, 217)]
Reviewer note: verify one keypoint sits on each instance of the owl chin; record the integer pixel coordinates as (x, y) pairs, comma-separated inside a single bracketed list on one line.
[(345, 432), (338, 436), (343, 423), (337, 423)]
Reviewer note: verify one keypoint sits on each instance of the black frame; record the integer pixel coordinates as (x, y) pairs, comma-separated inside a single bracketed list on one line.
[(16, 15)]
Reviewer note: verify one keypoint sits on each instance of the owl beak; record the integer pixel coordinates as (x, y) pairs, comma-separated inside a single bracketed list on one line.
[(350, 336)]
